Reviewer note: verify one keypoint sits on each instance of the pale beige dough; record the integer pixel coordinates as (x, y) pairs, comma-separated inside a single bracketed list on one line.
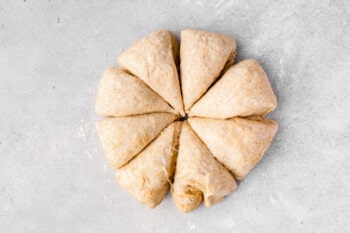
[(147, 176), (154, 60), (224, 137), (244, 90), (122, 94), (124, 137), (198, 174), (203, 55), (237, 143)]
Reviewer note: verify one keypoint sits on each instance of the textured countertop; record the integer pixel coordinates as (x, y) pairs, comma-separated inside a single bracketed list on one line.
[(53, 174)]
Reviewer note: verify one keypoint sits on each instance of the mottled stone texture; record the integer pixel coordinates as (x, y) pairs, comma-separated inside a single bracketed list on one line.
[(53, 174)]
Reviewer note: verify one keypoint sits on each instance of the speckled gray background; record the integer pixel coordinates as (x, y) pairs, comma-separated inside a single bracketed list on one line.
[(53, 174)]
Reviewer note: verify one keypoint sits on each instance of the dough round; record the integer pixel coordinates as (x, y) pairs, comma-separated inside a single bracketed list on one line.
[(195, 126)]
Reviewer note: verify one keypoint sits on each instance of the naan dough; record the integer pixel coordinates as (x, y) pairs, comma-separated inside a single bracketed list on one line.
[(154, 60), (124, 137), (244, 90), (198, 174), (147, 176), (237, 143), (203, 56), (122, 94)]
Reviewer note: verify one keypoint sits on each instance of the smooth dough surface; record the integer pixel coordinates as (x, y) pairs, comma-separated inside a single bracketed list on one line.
[(154, 60), (237, 143), (244, 90), (198, 174), (203, 55), (222, 139), (123, 137), (122, 94), (147, 176)]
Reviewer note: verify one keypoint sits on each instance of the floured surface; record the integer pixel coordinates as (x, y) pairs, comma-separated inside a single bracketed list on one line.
[(54, 177)]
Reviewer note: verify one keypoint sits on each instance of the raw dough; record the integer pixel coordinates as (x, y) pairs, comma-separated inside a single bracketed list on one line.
[(201, 157), (154, 60), (147, 176), (244, 88), (198, 174), (121, 94), (123, 137), (237, 143), (203, 56)]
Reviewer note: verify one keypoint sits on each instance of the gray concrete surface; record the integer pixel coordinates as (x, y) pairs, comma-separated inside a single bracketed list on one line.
[(53, 174)]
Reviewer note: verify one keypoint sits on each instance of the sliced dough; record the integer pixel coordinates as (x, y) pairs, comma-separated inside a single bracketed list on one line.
[(147, 176), (121, 94), (244, 90), (153, 59), (198, 173), (124, 137), (203, 56), (237, 143)]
